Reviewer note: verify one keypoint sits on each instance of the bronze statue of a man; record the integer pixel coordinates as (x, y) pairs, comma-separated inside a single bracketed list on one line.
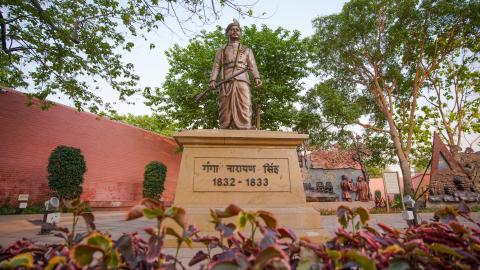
[(234, 101), (347, 188), (362, 190)]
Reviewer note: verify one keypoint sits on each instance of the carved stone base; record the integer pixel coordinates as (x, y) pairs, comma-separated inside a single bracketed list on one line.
[(321, 197), (458, 196), (304, 221), (435, 198), (253, 169), (218, 167), (449, 204), (467, 196)]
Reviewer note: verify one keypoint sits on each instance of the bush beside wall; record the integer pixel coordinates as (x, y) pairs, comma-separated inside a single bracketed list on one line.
[(66, 167), (154, 179)]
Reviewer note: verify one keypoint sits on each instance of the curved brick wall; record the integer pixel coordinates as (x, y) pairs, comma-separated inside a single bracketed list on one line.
[(115, 153)]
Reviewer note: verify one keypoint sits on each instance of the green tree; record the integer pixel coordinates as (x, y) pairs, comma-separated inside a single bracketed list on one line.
[(155, 123), (153, 180), (381, 152), (453, 97), (66, 167), (379, 54), (326, 116), (282, 61), (68, 46)]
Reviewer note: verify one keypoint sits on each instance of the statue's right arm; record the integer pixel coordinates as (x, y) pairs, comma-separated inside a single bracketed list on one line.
[(217, 64)]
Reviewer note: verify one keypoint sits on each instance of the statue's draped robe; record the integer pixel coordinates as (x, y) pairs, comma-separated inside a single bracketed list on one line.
[(234, 100), (362, 191), (346, 189)]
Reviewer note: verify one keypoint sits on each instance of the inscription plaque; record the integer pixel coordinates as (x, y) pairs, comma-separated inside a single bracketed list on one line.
[(241, 174), (391, 182), (23, 197)]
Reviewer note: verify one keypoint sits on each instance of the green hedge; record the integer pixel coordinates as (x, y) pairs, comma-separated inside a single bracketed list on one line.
[(153, 180), (66, 167)]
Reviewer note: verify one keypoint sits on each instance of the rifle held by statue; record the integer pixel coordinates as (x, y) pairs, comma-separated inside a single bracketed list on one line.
[(202, 94)]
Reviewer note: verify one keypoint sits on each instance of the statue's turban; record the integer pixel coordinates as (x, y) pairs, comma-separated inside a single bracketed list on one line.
[(235, 22)]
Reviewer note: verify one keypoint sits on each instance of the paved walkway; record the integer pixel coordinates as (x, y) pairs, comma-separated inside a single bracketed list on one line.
[(14, 227)]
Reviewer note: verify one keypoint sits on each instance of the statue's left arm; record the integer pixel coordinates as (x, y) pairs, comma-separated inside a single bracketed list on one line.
[(252, 65)]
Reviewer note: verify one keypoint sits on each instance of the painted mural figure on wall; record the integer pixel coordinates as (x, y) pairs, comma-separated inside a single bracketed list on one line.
[(362, 190), (347, 188), (232, 62)]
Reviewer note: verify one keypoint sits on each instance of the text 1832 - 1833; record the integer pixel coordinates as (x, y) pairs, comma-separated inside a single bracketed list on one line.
[(251, 182)]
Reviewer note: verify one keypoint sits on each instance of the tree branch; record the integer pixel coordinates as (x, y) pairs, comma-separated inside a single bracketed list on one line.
[(45, 19), (214, 10), (374, 128), (3, 35), (3, 26), (445, 121), (431, 103), (417, 82)]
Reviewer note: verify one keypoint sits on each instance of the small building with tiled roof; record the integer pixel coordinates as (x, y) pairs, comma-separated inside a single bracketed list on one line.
[(333, 159), (324, 168), (115, 153)]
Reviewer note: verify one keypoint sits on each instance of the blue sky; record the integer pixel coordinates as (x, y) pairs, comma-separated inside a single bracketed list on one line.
[(152, 66)]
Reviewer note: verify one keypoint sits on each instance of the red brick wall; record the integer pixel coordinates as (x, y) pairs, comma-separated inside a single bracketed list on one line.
[(115, 153)]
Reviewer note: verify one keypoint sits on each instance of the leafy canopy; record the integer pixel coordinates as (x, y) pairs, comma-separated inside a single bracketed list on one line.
[(282, 60), (452, 98), (156, 123), (375, 57), (70, 47)]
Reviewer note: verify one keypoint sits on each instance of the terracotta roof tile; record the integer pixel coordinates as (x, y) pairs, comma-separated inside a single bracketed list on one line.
[(334, 159)]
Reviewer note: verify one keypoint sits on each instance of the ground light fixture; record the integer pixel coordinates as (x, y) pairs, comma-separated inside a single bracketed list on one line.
[(410, 213), (51, 216)]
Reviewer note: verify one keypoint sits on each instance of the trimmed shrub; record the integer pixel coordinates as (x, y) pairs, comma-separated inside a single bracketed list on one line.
[(379, 201), (397, 201), (66, 167), (153, 180)]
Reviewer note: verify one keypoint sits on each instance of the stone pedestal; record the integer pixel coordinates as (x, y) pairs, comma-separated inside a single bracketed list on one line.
[(253, 169)]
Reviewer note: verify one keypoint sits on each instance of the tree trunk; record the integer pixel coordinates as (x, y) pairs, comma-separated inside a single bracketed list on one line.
[(407, 176), (401, 154), (404, 163)]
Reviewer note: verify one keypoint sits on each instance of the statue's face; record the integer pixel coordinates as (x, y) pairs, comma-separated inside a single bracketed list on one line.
[(234, 32)]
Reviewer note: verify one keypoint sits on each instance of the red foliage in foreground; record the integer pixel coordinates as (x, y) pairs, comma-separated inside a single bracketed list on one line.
[(442, 244)]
